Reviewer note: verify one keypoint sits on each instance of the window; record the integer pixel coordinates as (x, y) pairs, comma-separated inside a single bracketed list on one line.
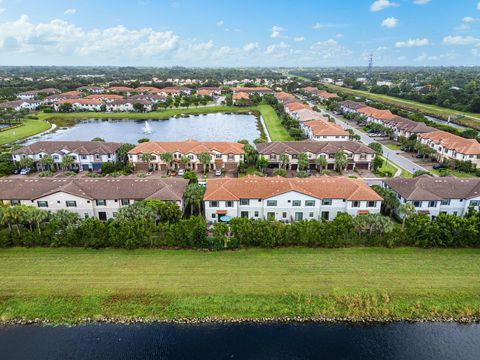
[(432, 204), (114, 214), (371, 204), (244, 214), (284, 215), (417, 203), (311, 214), (101, 202), (97, 157), (244, 202), (14, 202), (271, 216), (327, 202), (363, 156), (231, 157), (325, 215), (294, 156), (298, 216), (271, 202), (296, 203), (190, 157), (309, 202), (214, 216), (256, 214), (273, 157), (71, 203), (445, 202), (355, 204), (218, 156), (42, 204), (213, 204), (125, 202), (229, 203), (475, 203)]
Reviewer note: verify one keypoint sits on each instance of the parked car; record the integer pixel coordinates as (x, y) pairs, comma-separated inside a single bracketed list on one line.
[(309, 172), (438, 166), (25, 171), (419, 156), (218, 172), (181, 172), (16, 171)]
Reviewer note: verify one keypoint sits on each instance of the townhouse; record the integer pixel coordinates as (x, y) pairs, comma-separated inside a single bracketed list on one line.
[(292, 107), (120, 89), (18, 105), (320, 130), (241, 98), (105, 97), (287, 200), (433, 196), (99, 198), (359, 155), (91, 89), (87, 155), (81, 104), (321, 94), (223, 155), (452, 147), (253, 90), (304, 115), (127, 105), (209, 91), (29, 95)]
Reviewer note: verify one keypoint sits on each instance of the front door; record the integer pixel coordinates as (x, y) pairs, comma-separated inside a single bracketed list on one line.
[(102, 215), (298, 216)]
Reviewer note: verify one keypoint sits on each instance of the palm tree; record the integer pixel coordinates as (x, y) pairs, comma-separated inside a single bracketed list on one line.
[(167, 157), (14, 216), (184, 160), (302, 161), (67, 162), (47, 162), (146, 157), (194, 196), (285, 160), (341, 161), (66, 218), (25, 162), (205, 159), (407, 210), (321, 162)]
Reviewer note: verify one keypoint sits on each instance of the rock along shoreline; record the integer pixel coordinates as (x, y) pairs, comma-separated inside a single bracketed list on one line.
[(259, 321)]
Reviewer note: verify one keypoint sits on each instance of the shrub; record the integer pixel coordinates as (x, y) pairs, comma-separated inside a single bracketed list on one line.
[(46, 173)]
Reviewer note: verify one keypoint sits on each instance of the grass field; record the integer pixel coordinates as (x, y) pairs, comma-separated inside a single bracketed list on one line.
[(29, 128), (65, 285), (32, 127), (469, 119)]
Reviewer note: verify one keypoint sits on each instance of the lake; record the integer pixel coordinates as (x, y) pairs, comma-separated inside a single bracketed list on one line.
[(434, 341), (208, 127)]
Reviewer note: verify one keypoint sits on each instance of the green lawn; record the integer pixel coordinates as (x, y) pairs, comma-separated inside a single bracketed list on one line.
[(387, 166), (469, 119), (275, 128), (454, 173), (393, 146), (29, 128), (65, 285)]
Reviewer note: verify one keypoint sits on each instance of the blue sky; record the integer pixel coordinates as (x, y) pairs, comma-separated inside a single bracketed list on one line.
[(239, 33)]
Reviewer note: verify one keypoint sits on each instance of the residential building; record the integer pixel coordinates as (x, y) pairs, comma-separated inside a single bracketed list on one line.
[(209, 91), (29, 95), (291, 108), (121, 89), (359, 155), (435, 195), (105, 97), (304, 115), (18, 105), (99, 198), (91, 89), (288, 200), (81, 104), (320, 130), (452, 147), (87, 155), (224, 155), (253, 90), (241, 98)]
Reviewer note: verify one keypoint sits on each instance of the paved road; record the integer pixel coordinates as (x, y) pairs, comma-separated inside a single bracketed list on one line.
[(390, 154)]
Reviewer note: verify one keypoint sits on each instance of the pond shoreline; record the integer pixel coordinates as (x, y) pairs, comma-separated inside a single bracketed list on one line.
[(259, 321)]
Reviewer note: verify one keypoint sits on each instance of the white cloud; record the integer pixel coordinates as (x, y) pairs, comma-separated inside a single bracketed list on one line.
[(469, 20), (220, 23), (249, 47), (390, 22), (475, 52), (299, 38), (421, 2), (382, 4), (478, 6), (329, 49), (275, 47), (276, 32), (412, 43), (63, 38), (461, 40), (69, 11)]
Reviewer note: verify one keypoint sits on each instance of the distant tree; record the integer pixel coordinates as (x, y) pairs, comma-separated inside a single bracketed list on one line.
[(191, 176), (302, 161), (143, 140), (341, 161), (280, 172), (321, 162), (139, 107), (25, 162), (284, 160), (47, 162), (205, 159), (98, 139), (194, 196), (67, 162), (167, 157), (262, 163), (377, 147)]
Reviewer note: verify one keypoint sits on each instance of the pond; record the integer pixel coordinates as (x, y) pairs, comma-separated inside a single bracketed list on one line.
[(435, 341), (208, 127)]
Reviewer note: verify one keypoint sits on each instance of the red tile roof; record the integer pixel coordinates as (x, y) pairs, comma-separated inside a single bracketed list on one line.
[(188, 147), (453, 142)]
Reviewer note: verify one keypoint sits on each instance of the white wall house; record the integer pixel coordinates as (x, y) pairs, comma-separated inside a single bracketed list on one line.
[(87, 155), (99, 198), (433, 196), (288, 200)]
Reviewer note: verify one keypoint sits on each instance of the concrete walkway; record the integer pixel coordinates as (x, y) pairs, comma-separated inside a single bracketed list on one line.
[(265, 129)]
